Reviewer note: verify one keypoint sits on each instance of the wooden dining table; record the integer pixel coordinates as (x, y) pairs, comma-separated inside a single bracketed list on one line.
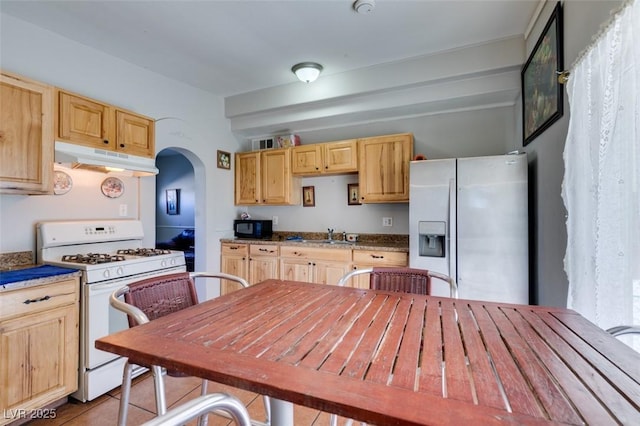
[(390, 358)]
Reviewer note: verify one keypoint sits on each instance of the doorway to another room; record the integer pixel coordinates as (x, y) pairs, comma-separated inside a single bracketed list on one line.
[(175, 204)]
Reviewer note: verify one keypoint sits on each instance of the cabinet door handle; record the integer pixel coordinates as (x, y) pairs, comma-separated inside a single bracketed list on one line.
[(121, 145), (106, 142), (42, 299)]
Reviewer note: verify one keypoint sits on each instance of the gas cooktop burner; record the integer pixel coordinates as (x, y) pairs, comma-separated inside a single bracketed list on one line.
[(144, 252), (92, 258)]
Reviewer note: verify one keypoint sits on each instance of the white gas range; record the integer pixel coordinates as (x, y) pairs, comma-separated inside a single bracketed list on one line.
[(110, 255)]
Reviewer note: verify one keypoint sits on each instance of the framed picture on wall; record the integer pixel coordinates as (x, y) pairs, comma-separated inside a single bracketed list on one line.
[(224, 160), (173, 201), (308, 196), (541, 92), (353, 194)]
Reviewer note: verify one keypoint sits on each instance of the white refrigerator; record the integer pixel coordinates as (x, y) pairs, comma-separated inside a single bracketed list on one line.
[(468, 218)]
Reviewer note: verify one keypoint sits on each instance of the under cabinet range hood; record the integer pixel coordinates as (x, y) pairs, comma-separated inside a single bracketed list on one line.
[(84, 157)]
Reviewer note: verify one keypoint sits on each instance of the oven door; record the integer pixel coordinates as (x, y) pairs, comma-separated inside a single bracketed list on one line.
[(101, 319)]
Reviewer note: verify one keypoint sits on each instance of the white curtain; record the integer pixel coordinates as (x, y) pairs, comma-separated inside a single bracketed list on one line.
[(601, 187)]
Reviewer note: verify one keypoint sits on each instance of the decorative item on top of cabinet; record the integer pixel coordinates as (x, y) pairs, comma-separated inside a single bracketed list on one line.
[(85, 121), (264, 177), (383, 168), (38, 346), (26, 135), (325, 158)]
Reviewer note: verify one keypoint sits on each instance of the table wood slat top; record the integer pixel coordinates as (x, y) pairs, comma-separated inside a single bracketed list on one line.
[(395, 358)]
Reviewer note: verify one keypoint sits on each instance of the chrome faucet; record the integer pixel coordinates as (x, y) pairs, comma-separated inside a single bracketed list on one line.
[(329, 234)]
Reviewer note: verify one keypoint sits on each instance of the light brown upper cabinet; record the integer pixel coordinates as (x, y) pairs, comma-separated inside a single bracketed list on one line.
[(325, 158), (264, 177), (383, 168), (92, 123), (26, 135)]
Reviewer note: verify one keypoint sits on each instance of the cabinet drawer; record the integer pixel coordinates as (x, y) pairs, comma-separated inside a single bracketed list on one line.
[(263, 250), (237, 249), (40, 298), (379, 258), (312, 253)]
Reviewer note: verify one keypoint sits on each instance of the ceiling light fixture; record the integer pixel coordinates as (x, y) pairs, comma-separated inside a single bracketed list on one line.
[(307, 71), (364, 6)]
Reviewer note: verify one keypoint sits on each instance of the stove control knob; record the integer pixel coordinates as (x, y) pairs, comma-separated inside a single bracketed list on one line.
[(163, 263), (119, 271), (106, 273), (173, 262)]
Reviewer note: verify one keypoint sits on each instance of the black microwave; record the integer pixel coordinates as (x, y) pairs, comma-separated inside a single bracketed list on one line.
[(252, 228)]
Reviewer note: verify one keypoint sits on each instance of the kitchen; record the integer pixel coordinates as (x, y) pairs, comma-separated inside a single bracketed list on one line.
[(203, 119), (452, 134)]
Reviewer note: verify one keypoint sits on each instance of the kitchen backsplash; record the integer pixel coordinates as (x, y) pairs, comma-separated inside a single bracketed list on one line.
[(16, 259), (394, 239)]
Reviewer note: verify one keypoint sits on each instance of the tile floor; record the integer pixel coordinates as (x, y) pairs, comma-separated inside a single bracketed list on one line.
[(104, 410)]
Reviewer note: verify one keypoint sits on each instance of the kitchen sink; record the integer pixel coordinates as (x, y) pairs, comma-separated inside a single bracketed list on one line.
[(335, 242)]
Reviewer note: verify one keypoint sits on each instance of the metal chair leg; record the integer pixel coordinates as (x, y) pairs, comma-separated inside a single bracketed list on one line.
[(204, 419), (334, 420), (267, 409), (125, 393), (158, 381)]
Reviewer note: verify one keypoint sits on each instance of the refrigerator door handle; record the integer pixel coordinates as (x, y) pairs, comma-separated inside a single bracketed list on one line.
[(452, 231)]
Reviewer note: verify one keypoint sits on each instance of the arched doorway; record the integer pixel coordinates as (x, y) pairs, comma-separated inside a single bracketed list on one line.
[(175, 204)]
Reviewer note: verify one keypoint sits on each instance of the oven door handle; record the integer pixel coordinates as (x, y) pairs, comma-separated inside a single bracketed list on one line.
[(110, 286)]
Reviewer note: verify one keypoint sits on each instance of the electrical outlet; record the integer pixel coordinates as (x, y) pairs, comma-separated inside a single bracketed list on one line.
[(387, 221), (274, 219), (123, 210)]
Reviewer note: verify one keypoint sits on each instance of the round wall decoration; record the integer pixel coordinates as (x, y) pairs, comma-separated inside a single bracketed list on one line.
[(112, 187), (62, 182)]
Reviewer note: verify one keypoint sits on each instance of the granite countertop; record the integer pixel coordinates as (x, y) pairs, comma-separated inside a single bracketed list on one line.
[(382, 242), (34, 275)]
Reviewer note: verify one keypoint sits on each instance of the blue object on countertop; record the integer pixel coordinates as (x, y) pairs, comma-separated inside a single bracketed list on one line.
[(42, 271), (294, 238)]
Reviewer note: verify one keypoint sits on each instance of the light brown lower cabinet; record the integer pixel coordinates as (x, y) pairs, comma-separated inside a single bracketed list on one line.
[(263, 262), (253, 262), (234, 260), (314, 265), (258, 262), (372, 258), (38, 347)]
